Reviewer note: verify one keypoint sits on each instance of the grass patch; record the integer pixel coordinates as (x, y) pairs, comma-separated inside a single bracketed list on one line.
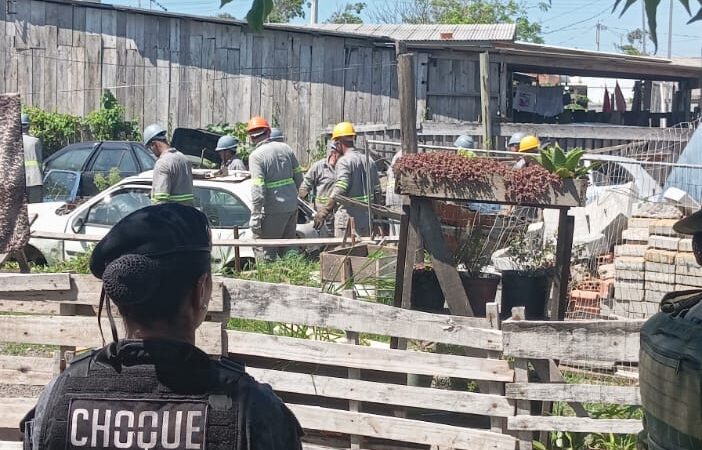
[(19, 349), (293, 268)]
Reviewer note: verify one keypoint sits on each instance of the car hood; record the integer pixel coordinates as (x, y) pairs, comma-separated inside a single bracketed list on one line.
[(191, 141)]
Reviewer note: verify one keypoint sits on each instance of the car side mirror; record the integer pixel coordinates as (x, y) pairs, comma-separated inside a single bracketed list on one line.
[(78, 224)]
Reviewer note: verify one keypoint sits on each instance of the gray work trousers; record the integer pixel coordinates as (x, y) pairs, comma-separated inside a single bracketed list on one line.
[(341, 219), (34, 194), (275, 226)]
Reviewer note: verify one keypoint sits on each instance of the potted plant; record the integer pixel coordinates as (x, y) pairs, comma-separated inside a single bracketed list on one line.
[(527, 284)]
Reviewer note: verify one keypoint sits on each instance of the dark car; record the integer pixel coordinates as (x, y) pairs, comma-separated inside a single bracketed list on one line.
[(90, 158)]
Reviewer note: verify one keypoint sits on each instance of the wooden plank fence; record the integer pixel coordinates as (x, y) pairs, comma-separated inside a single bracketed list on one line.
[(345, 393)]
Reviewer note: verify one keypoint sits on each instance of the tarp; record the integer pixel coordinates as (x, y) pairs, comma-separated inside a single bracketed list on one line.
[(14, 225), (689, 179)]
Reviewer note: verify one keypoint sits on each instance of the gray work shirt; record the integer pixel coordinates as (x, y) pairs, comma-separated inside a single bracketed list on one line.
[(276, 176), (172, 179), (351, 176), (32, 160), (319, 182), (235, 164)]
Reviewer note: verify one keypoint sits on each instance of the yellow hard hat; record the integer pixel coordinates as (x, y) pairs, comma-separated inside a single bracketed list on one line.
[(343, 129), (529, 143)]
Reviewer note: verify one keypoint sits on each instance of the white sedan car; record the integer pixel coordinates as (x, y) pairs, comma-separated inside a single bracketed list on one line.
[(225, 200)]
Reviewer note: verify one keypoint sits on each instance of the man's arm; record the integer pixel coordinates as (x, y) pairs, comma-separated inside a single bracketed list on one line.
[(258, 192), (161, 184), (297, 170), (309, 181)]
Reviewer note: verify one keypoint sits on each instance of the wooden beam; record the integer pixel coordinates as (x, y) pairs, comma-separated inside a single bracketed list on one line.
[(389, 394), (370, 358), (25, 370), (574, 424), (564, 246), (442, 260), (316, 418), (16, 282), (581, 393), (485, 101), (599, 340), (408, 98), (13, 410)]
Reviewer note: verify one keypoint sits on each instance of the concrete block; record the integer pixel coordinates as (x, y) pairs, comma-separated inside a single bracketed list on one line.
[(635, 235), (688, 280), (628, 294), (606, 271), (661, 277), (664, 242), (660, 256), (689, 270), (650, 308), (629, 263), (663, 227), (683, 287), (659, 267), (656, 210), (629, 284), (640, 222), (686, 259), (653, 296), (661, 287), (630, 275), (630, 250), (685, 245)]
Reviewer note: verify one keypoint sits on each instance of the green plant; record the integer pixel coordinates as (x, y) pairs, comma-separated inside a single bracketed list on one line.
[(564, 164), (54, 129), (108, 122), (574, 107), (466, 153), (103, 182), (531, 255)]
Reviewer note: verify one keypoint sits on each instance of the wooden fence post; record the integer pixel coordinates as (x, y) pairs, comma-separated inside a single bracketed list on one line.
[(521, 375), (352, 338), (485, 100)]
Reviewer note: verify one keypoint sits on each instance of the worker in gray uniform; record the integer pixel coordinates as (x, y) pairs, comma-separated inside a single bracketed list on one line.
[(32, 163), (226, 148), (173, 176), (354, 175), (319, 180), (277, 135), (276, 177)]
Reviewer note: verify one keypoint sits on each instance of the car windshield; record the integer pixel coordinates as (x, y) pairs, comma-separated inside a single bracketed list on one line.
[(60, 186), (72, 159)]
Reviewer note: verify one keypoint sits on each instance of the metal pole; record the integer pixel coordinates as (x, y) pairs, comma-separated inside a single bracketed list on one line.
[(314, 11), (597, 36), (369, 192), (643, 26), (670, 30)]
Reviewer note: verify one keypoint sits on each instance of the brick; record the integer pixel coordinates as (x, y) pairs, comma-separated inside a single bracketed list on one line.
[(660, 256), (659, 267), (661, 277), (630, 250), (606, 271), (685, 245), (640, 222), (632, 275), (607, 288), (628, 294), (635, 235), (686, 259), (689, 270), (688, 280), (630, 284), (629, 263), (664, 242), (661, 287), (654, 296), (663, 227)]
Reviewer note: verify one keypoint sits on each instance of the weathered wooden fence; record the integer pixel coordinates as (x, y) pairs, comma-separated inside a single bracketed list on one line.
[(345, 394)]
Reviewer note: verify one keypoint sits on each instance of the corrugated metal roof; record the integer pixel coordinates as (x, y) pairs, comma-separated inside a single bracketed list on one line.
[(423, 33)]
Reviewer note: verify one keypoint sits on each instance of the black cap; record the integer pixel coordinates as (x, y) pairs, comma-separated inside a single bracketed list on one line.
[(153, 231), (690, 225)]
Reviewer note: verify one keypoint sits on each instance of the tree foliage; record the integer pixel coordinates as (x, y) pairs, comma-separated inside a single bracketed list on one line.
[(461, 12), (108, 122), (286, 10), (634, 45), (651, 7), (350, 13)]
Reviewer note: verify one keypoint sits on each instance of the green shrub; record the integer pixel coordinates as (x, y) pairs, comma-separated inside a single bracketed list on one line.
[(238, 130), (108, 122), (55, 130), (103, 182)]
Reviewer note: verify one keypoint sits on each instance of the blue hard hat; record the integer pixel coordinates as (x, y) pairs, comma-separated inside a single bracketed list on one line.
[(227, 143), (464, 141), (277, 134), (152, 132), (516, 138)]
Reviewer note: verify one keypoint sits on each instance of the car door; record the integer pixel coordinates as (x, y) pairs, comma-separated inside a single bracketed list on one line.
[(144, 157), (224, 210), (98, 217), (110, 156)]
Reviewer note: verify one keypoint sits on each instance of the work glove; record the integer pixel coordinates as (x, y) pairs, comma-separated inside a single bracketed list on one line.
[(303, 192), (255, 224), (320, 218)]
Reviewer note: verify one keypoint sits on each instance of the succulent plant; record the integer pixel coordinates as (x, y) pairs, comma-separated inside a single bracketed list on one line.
[(565, 165)]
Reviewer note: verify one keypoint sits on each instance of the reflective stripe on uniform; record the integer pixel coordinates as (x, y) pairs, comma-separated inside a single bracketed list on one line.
[(297, 169), (279, 183), (362, 198), (342, 184), (31, 163), (259, 181), (182, 197)]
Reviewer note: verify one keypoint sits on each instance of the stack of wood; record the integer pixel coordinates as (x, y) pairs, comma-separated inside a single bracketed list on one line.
[(629, 265)]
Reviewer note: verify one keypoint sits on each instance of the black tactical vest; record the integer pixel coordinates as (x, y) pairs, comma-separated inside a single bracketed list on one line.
[(152, 395)]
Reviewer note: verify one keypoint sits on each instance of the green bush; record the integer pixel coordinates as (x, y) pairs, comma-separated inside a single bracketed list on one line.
[(108, 122), (238, 130), (103, 182), (55, 130)]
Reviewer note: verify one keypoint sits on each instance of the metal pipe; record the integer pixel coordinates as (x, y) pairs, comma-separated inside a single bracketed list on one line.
[(587, 157)]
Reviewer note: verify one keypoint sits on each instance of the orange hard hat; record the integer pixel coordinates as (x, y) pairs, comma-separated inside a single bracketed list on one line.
[(257, 123)]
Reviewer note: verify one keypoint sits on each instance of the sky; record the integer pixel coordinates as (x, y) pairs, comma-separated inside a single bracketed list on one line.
[(569, 23)]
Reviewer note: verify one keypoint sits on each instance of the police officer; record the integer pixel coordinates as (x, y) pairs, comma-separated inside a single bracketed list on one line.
[(319, 180), (276, 177), (352, 174), (156, 389), (173, 176), (32, 163), (226, 147)]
